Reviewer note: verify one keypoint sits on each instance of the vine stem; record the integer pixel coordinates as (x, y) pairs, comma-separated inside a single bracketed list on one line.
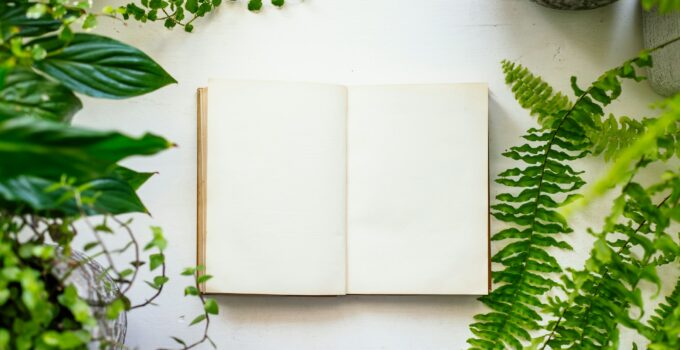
[(207, 320)]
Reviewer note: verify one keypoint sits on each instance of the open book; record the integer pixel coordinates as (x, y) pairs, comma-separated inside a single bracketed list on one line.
[(314, 189)]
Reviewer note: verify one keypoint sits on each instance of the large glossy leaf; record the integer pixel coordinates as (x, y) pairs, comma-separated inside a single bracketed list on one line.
[(27, 93), (13, 21), (133, 178), (33, 194), (30, 146), (101, 67)]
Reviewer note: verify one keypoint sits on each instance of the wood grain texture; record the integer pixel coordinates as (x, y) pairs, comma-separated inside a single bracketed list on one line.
[(201, 172)]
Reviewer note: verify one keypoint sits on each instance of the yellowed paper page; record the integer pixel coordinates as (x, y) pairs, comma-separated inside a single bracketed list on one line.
[(276, 188), (418, 189)]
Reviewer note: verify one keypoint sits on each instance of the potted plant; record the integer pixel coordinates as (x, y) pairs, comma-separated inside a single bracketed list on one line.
[(574, 4), (59, 181)]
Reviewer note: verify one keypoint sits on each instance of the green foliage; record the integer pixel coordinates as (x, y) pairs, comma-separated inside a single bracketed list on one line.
[(100, 67), (659, 140), (663, 6), (29, 317), (50, 150), (535, 223), (27, 93), (601, 295), (175, 13), (584, 307), (664, 326), (54, 175)]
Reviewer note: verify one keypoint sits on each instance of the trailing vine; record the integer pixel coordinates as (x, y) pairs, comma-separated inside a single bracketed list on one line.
[(174, 13)]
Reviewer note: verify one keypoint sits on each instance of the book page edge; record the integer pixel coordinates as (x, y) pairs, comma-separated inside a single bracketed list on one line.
[(201, 181)]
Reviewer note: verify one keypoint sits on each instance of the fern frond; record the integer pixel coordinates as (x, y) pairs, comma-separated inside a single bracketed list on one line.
[(608, 136), (542, 179), (534, 94), (660, 141), (601, 295), (611, 135), (665, 324)]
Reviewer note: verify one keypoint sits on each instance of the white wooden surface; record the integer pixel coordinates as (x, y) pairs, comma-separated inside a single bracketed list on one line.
[(348, 41)]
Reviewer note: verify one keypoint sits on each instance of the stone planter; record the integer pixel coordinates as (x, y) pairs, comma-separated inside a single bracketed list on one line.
[(96, 288), (664, 77), (574, 4)]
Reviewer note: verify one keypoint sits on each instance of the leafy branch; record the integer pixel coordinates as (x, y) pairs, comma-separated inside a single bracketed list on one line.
[(576, 130), (177, 12)]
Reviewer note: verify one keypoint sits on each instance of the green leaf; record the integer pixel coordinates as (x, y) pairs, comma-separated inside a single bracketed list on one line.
[(112, 196), (47, 149), (254, 5), (90, 21), (191, 290), (90, 245), (191, 6), (156, 260), (278, 3), (179, 341), (27, 93), (211, 306), (203, 278), (133, 178), (189, 271), (101, 67), (114, 309), (158, 240), (198, 319), (14, 22), (160, 280), (78, 307)]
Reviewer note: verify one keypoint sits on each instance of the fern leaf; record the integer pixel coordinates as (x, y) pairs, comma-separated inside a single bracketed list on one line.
[(665, 323), (542, 178), (569, 132), (535, 95), (602, 294)]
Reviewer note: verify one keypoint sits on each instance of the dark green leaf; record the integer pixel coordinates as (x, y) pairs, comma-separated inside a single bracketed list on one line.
[(101, 67), (27, 93), (191, 6), (13, 22), (133, 178), (112, 196), (47, 149), (254, 5)]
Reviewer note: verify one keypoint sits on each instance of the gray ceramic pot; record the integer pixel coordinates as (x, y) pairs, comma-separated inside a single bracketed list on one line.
[(657, 29), (97, 288), (574, 4)]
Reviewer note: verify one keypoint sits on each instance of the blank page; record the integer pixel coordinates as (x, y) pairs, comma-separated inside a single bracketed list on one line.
[(276, 188), (417, 189)]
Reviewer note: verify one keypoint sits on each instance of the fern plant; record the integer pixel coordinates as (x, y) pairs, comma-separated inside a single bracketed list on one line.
[(582, 310)]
